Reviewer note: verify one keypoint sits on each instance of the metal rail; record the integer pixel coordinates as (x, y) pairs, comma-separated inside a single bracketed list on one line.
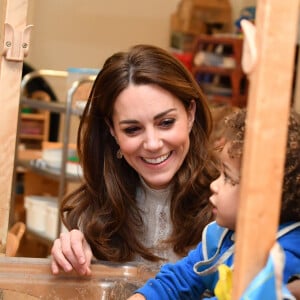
[(61, 108)]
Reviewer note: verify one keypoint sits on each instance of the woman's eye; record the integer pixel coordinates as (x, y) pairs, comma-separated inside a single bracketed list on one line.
[(166, 123), (131, 130)]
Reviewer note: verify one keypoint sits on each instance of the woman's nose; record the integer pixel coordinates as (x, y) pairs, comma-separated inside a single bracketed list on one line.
[(152, 141)]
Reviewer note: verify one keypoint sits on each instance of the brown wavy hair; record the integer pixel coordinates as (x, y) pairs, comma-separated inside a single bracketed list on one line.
[(290, 200), (105, 206)]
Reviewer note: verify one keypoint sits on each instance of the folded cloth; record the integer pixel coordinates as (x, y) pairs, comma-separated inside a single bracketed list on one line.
[(268, 283)]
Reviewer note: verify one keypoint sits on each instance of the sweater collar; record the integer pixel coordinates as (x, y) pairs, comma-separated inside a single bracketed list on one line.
[(165, 193)]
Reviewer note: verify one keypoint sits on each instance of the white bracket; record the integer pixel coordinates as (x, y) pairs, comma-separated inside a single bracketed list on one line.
[(16, 43), (249, 56)]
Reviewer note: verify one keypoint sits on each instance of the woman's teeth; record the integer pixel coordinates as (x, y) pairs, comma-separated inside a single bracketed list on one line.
[(157, 160)]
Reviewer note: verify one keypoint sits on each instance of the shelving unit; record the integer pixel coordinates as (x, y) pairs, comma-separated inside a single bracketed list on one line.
[(43, 176), (219, 70), (34, 129)]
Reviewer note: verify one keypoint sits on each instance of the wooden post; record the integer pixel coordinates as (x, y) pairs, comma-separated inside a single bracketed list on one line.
[(268, 109), (13, 47)]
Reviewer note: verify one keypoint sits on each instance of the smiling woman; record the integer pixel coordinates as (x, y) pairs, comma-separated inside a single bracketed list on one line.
[(143, 145), (155, 141)]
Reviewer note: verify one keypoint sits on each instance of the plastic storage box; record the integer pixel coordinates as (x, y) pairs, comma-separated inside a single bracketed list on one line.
[(42, 215)]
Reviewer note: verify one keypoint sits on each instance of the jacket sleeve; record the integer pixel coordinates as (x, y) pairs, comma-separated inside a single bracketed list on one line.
[(289, 242), (176, 281)]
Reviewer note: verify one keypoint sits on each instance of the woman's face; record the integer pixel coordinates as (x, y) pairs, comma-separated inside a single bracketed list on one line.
[(152, 129)]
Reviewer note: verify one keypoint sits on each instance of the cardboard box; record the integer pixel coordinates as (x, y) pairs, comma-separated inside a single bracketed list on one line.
[(185, 42), (199, 16), (192, 27)]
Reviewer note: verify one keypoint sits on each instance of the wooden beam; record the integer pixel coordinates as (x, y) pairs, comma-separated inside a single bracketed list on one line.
[(12, 49), (264, 153), (2, 18)]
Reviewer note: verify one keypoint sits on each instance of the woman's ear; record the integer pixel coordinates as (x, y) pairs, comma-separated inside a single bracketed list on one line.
[(191, 114), (112, 132), (111, 129)]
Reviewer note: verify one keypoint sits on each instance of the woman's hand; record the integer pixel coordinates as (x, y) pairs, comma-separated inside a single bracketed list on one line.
[(71, 252), (137, 297)]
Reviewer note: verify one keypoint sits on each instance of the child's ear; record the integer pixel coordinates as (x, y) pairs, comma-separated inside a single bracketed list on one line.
[(191, 114)]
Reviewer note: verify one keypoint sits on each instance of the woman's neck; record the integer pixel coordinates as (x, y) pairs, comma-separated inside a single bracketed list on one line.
[(152, 190)]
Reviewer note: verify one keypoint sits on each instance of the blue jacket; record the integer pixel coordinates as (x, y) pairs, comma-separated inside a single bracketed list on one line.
[(191, 276)]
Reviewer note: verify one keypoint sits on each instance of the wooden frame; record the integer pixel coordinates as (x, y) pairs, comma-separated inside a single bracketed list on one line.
[(12, 49), (268, 109), (270, 91)]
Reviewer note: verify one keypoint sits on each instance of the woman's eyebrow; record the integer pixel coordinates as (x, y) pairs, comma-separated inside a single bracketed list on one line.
[(129, 121), (164, 113)]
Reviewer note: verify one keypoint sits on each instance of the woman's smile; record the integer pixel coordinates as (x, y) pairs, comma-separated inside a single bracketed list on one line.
[(157, 160)]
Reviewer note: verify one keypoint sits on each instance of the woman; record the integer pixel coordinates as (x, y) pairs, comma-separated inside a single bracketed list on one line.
[(143, 146)]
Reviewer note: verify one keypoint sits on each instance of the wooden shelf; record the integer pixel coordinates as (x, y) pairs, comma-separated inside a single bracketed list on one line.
[(34, 128), (215, 70), (206, 73), (37, 137), (33, 116), (52, 173)]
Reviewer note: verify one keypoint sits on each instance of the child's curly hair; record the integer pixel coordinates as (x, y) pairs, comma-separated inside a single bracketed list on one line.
[(290, 201)]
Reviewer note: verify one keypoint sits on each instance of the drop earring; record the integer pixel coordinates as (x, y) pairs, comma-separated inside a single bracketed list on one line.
[(119, 154)]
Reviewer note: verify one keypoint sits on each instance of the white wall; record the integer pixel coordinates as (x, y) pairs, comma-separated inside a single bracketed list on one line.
[(76, 33)]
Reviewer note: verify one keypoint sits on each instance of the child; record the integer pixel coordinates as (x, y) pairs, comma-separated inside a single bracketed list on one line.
[(197, 272)]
